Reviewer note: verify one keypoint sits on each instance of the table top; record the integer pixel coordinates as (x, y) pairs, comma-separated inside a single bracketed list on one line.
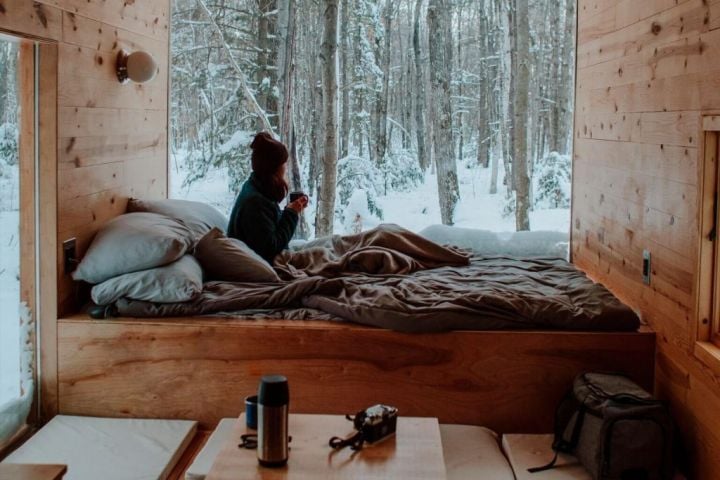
[(18, 471), (415, 451)]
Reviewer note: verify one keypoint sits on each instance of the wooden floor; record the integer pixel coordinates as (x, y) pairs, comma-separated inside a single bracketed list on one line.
[(202, 368)]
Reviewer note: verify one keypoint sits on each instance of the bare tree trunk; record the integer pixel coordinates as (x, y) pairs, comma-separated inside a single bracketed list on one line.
[(567, 87), (316, 148), (419, 92), (328, 57), (382, 100), (494, 157), (346, 65), (439, 19), (266, 74), (485, 91), (521, 80), (286, 62)]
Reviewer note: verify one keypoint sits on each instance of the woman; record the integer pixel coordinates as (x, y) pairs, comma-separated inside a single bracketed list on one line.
[(256, 218)]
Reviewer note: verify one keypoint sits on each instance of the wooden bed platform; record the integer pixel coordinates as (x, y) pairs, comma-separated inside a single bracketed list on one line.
[(202, 368)]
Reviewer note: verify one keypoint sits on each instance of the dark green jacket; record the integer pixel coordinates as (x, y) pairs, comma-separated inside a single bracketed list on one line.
[(257, 220)]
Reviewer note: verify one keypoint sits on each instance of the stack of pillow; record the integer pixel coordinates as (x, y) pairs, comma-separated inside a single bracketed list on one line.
[(162, 250)]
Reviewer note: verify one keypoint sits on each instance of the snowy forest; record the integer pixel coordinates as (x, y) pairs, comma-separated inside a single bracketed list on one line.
[(9, 226), (409, 111)]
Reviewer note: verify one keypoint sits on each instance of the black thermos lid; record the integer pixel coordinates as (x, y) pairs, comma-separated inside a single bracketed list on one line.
[(273, 391)]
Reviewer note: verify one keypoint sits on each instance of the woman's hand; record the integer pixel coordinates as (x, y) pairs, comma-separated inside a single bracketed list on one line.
[(299, 205)]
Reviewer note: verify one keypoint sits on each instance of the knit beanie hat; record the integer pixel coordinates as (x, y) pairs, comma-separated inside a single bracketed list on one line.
[(267, 155)]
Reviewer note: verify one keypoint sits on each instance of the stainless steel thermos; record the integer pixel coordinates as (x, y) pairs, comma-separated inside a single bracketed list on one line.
[(272, 421)]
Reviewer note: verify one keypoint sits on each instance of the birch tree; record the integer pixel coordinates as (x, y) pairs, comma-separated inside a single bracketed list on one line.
[(419, 85), (521, 89), (328, 57), (439, 20)]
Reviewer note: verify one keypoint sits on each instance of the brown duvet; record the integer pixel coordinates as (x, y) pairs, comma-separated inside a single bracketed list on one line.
[(391, 278)]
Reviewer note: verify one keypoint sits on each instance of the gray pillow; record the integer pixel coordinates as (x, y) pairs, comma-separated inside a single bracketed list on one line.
[(180, 281), (133, 242), (229, 259), (198, 217)]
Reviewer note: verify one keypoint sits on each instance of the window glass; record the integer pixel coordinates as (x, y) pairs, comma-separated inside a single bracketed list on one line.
[(9, 224), (430, 96)]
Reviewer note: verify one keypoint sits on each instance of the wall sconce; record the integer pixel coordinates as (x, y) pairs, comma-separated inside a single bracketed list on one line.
[(140, 67)]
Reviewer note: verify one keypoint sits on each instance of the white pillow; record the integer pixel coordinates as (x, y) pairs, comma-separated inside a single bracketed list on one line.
[(133, 242), (199, 217), (180, 281)]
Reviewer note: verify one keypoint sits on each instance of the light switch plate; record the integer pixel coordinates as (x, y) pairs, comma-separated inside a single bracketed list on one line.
[(70, 259), (646, 267)]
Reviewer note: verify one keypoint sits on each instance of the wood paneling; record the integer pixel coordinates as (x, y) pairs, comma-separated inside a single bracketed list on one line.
[(31, 19), (202, 368), (109, 140), (645, 79)]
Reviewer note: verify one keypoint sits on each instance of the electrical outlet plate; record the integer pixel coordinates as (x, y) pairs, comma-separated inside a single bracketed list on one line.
[(646, 267), (70, 259)]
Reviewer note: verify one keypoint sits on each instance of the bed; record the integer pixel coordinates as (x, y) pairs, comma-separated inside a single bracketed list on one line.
[(391, 278), (435, 331)]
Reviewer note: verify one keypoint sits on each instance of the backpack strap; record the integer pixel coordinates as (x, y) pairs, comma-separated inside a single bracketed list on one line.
[(560, 444)]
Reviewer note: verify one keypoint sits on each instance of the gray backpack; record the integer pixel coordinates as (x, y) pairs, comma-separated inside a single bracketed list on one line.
[(616, 429)]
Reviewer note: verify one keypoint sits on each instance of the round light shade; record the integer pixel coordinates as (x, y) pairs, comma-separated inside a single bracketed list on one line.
[(141, 67)]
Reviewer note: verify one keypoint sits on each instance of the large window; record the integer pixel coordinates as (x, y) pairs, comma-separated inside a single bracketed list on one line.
[(428, 111), (18, 130)]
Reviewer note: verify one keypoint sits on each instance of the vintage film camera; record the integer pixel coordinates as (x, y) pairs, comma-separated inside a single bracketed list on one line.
[(372, 424), (376, 422)]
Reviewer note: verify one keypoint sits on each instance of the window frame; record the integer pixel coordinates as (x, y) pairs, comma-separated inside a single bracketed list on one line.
[(706, 345), (38, 157)]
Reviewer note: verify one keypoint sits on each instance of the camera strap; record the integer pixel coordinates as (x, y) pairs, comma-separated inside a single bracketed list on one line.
[(355, 441)]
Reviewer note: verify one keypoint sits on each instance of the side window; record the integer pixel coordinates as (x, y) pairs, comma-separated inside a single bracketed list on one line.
[(708, 279), (17, 230)]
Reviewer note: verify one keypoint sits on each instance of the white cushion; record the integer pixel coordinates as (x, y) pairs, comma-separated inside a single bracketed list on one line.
[(528, 451), (108, 448), (203, 461), (473, 452)]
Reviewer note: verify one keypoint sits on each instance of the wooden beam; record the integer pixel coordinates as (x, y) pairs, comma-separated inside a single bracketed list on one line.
[(48, 228), (26, 97), (28, 18)]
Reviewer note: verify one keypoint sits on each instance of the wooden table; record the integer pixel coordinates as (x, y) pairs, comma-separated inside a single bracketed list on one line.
[(414, 452), (17, 471)]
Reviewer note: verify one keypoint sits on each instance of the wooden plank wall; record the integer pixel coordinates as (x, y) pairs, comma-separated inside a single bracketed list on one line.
[(647, 70), (112, 138)]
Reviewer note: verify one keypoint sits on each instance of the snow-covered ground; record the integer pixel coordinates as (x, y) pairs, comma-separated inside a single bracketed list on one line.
[(414, 210), (9, 305)]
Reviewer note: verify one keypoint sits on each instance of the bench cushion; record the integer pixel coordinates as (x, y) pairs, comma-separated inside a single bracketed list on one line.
[(528, 451), (470, 453), (473, 452), (108, 448), (204, 460)]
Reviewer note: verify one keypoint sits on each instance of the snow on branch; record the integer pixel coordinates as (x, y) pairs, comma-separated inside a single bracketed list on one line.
[(243, 81)]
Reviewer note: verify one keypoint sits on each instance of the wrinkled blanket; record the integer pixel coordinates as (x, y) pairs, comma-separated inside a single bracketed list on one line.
[(391, 278), (387, 249)]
